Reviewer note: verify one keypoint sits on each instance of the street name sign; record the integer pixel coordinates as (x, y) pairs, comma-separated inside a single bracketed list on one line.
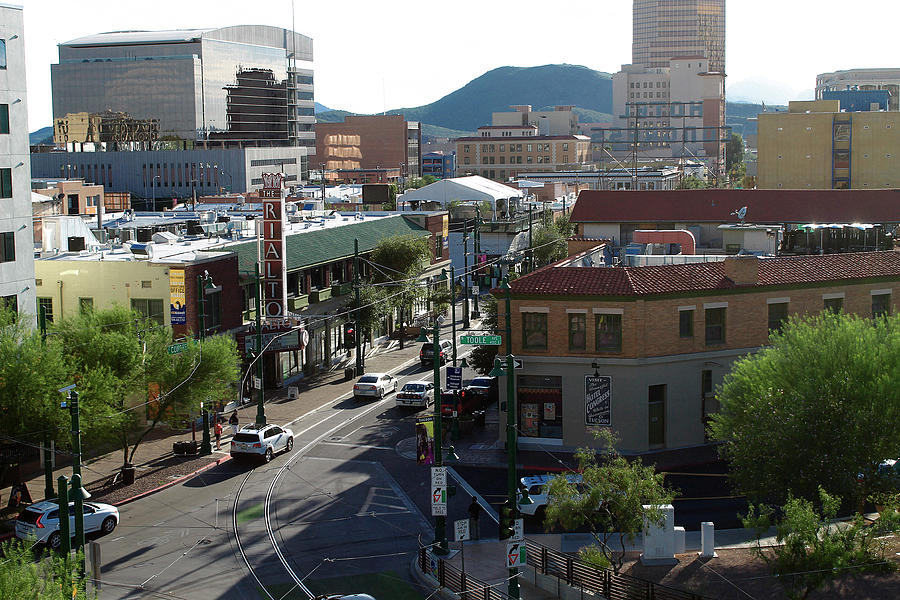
[(515, 555), (461, 527), (481, 340), (177, 348)]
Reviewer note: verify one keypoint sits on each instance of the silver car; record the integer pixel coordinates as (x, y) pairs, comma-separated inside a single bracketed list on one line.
[(375, 385), (40, 522), (416, 393)]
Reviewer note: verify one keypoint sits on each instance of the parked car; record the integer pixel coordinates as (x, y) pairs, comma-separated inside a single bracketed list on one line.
[(261, 441), (426, 352), (375, 385), (416, 393), (40, 521), (536, 485), (462, 402), (485, 388)]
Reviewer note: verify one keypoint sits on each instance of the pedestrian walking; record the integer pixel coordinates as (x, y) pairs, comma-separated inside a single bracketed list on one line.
[(233, 421), (474, 513), (218, 431)]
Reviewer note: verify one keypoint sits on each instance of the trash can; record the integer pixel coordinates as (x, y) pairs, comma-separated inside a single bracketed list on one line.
[(128, 474), (349, 372)]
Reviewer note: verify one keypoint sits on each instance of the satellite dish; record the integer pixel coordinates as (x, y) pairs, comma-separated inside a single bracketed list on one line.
[(740, 213)]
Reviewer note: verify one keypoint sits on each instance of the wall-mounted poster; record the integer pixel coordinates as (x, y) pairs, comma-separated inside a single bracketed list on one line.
[(177, 310), (598, 400)]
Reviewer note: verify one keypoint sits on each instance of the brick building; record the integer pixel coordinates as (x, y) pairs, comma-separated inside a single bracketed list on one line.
[(370, 142), (641, 349)]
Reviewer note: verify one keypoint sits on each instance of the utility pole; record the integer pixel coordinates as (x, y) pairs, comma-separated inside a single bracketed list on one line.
[(48, 456), (452, 312), (360, 363), (466, 323), (440, 522), (206, 444), (476, 314), (261, 396), (530, 243)]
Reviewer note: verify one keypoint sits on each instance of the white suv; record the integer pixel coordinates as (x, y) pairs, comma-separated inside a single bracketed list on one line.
[(416, 393), (537, 491), (261, 441), (40, 521)]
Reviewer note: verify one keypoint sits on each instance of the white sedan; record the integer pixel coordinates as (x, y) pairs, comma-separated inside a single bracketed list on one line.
[(375, 385), (416, 393), (40, 521)]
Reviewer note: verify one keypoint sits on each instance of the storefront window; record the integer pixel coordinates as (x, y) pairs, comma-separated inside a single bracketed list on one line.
[(540, 406)]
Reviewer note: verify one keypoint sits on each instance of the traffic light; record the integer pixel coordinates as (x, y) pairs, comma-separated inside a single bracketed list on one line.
[(349, 335), (507, 520)]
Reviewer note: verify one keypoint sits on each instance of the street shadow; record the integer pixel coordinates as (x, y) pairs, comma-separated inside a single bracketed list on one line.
[(223, 472)]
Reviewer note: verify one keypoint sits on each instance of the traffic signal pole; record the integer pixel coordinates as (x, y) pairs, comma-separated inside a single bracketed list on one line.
[(360, 363), (440, 523)]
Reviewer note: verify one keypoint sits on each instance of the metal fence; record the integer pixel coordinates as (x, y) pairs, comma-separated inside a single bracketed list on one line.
[(450, 577), (578, 573)]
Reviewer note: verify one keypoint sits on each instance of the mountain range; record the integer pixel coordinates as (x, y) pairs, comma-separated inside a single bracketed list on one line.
[(462, 111)]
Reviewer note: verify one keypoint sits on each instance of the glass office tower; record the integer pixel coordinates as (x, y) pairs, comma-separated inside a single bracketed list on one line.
[(246, 85), (667, 29)]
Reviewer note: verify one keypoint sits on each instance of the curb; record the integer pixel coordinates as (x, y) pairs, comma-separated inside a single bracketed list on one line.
[(174, 482)]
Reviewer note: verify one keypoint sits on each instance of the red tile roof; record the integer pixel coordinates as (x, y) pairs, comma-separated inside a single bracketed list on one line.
[(717, 206), (702, 277)]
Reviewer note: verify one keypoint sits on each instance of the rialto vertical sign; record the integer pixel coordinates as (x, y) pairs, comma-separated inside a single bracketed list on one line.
[(271, 254)]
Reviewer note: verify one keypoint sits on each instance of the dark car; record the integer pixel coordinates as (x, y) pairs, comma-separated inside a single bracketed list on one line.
[(484, 387), (461, 402), (426, 353)]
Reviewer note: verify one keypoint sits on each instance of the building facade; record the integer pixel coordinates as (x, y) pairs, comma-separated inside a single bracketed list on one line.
[(16, 235), (440, 165), (861, 79), (817, 146), (370, 142), (166, 174), (665, 29), (240, 85), (642, 349)]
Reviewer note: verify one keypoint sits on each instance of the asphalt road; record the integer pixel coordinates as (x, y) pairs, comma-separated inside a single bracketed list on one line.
[(348, 500)]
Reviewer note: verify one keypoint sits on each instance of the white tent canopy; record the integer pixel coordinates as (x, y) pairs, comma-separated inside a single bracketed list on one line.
[(464, 189)]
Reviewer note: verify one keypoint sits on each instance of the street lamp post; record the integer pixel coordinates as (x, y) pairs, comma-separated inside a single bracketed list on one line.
[(476, 314), (440, 522), (452, 310), (203, 280), (466, 323), (261, 396), (511, 431)]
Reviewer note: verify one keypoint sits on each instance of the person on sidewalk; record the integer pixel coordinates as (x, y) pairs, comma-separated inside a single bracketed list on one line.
[(218, 431), (233, 421), (474, 513)]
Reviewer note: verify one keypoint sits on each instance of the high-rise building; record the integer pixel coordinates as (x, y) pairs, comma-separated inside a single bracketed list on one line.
[(670, 103), (16, 237), (246, 85), (667, 29)]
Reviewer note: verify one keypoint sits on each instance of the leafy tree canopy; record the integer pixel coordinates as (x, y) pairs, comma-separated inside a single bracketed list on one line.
[(817, 407)]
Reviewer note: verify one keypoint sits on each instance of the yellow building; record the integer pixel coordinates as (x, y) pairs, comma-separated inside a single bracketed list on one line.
[(816, 146)]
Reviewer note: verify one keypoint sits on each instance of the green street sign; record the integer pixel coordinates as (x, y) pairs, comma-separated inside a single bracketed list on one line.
[(177, 348), (481, 340)]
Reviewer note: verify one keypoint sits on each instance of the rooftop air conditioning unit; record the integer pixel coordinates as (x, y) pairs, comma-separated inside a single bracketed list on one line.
[(164, 237), (141, 250)]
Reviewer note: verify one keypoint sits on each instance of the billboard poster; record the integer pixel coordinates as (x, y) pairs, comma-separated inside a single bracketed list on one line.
[(425, 440), (598, 400), (177, 310)]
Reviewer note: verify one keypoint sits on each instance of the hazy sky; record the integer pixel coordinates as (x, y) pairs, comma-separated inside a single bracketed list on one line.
[(370, 56)]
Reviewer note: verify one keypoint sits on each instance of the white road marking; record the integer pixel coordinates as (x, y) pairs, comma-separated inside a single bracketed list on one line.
[(351, 445)]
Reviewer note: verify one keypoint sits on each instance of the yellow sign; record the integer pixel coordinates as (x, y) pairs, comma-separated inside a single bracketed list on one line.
[(177, 310)]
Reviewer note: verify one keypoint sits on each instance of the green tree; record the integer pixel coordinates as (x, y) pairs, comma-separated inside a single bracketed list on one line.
[(415, 183), (482, 357), (391, 203), (50, 577), (609, 501), (692, 182), (31, 372), (817, 407), (398, 261), (734, 152), (812, 550), (373, 308)]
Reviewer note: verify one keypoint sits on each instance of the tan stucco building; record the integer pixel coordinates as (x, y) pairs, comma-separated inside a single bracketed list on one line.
[(816, 146)]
